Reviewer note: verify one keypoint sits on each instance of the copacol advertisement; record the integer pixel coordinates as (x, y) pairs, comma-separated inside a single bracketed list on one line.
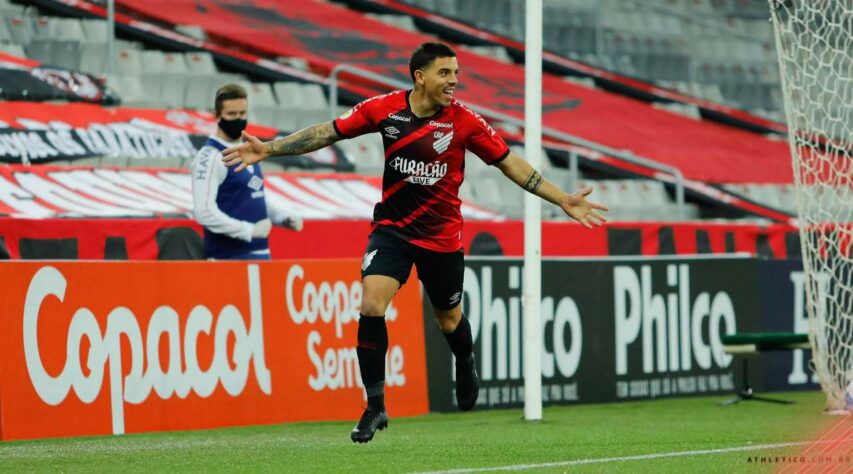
[(611, 329)]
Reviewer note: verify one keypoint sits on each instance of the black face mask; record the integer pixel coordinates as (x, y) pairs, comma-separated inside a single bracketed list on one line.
[(233, 128)]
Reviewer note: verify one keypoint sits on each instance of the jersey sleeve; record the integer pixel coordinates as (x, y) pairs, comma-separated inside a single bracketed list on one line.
[(358, 120), (482, 140)]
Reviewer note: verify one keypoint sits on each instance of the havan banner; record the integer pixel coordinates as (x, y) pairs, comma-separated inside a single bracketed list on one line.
[(110, 347)]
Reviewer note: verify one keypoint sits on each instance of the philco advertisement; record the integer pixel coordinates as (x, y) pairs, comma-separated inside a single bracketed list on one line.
[(611, 329), (92, 348)]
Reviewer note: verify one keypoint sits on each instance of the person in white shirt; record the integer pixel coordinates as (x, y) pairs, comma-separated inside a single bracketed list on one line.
[(232, 208)]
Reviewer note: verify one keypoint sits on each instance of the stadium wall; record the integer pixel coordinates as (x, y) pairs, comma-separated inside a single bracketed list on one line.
[(95, 348), (180, 239), (623, 329)]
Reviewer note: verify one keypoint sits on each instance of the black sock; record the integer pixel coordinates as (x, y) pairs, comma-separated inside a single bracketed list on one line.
[(372, 346), (460, 340)]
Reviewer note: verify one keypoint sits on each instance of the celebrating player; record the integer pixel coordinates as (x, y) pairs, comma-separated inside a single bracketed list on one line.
[(418, 222)]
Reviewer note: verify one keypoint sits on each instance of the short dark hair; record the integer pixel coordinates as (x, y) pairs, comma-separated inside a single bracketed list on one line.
[(228, 92), (426, 53)]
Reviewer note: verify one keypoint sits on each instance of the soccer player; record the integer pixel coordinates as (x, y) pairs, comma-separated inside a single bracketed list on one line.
[(425, 131), (231, 207)]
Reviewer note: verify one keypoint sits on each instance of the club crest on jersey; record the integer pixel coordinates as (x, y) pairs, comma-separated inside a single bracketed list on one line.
[(441, 144), (419, 172)]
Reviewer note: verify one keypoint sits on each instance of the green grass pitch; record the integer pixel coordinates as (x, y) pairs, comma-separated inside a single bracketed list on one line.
[(584, 438)]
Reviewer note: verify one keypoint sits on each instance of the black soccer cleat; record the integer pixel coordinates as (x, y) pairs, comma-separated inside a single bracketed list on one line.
[(371, 421), (467, 384)]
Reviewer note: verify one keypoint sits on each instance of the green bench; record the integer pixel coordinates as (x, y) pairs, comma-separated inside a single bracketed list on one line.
[(746, 344)]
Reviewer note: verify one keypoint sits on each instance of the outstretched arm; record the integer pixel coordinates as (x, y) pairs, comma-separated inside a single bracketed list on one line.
[(304, 141), (574, 205)]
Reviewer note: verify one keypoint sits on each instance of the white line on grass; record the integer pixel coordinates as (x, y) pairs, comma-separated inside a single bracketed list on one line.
[(641, 457)]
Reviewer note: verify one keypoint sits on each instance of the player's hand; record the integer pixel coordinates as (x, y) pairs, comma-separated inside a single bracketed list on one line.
[(586, 212), (247, 153), (262, 229)]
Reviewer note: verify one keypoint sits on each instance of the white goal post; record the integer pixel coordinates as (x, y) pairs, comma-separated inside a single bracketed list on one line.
[(814, 40)]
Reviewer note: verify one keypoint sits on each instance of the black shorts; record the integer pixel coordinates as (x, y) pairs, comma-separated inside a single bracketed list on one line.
[(440, 272)]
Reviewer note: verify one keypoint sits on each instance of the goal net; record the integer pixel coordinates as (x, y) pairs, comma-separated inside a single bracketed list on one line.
[(814, 39)]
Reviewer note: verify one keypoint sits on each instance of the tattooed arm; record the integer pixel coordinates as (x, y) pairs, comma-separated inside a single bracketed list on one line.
[(574, 205), (521, 173), (304, 141)]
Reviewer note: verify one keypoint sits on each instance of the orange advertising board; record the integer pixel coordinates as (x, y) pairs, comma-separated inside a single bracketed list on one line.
[(92, 348)]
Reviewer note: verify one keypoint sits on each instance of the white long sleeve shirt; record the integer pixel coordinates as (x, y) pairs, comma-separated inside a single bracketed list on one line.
[(208, 173)]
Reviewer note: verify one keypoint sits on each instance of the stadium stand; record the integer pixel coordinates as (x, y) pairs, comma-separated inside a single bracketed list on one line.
[(721, 51), (185, 80)]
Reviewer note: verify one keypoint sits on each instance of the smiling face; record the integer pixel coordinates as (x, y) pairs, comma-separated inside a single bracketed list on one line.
[(439, 79)]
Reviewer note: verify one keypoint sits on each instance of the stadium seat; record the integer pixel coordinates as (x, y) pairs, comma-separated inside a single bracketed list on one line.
[(511, 197), (264, 114), (153, 61), (286, 119), (263, 107), (130, 90), (32, 11), (466, 191), (474, 167), (302, 105), (174, 91), (67, 55), (486, 191), (69, 29), (55, 53), (260, 93), (5, 35), (175, 63), (165, 90), (94, 30), (199, 94), (200, 63), (129, 62), (314, 97), (366, 152), (21, 29), (93, 57), (40, 50), (11, 10), (13, 49), (561, 177), (153, 85), (289, 94)]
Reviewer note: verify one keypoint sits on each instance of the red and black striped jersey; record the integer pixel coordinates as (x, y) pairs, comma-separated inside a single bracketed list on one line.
[(424, 165)]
